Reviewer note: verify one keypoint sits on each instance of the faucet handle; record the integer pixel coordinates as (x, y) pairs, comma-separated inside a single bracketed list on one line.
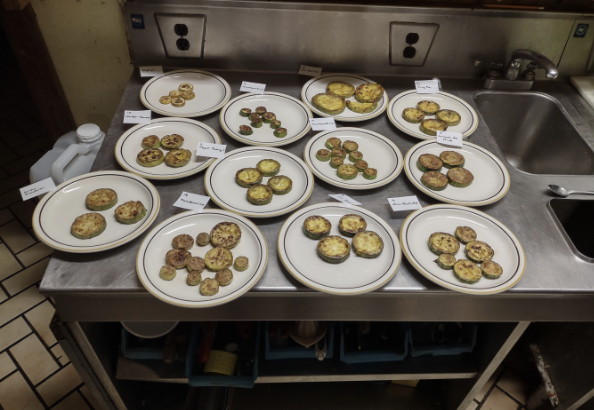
[(488, 64)]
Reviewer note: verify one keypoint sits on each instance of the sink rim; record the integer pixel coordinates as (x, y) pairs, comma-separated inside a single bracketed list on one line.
[(561, 228)]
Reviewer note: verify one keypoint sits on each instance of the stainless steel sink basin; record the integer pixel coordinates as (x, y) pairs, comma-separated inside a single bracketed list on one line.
[(535, 133)]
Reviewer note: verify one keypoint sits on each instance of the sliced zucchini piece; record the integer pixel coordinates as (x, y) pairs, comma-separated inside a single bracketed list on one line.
[(335, 162), (268, 167), (369, 93), (350, 146), (355, 156), (428, 107), (316, 227), (334, 249), (183, 241), (360, 107), (351, 224), (465, 234), (347, 171), (478, 251), (452, 159), (280, 184), (245, 130), (178, 102), (323, 155), (253, 116), (280, 132), (440, 242), (101, 199), (260, 110), (195, 264), (167, 272), (333, 142), (130, 212), (257, 122), (268, 117), (430, 127), (175, 94), (434, 180), (241, 263), (460, 177), (88, 226), (451, 118), (467, 271), (193, 278), (188, 95), (218, 258), (150, 157), (370, 173), (185, 87), (491, 270), (178, 157), (209, 287), (339, 152), (340, 89), (259, 194), (413, 115), (165, 99), (173, 141), (202, 239), (368, 244), (446, 261), (245, 112), (429, 162), (328, 103), (178, 258), (225, 235), (361, 165), (224, 277), (274, 124), (247, 177), (152, 141)]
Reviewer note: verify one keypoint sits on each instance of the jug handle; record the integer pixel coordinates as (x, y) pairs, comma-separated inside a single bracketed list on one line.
[(63, 160)]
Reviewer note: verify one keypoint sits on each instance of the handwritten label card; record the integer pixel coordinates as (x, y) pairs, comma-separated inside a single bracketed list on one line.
[(151, 71), (405, 203), (344, 199), (206, 149), (453, 139), (137, 117), (427, 87), (320, 124), (256, 88), (311, 71), (38, 188), (191, 201)]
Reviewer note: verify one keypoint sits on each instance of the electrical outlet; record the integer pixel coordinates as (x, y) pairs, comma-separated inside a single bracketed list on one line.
[(182, 34), (410, 42)]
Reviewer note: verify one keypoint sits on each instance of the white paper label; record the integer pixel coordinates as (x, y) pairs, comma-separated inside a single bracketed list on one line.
[(311, 71), (38, 188), (344, 199), (255, 88), (206, 149), (320, 124), (137, 117), (427, 87), (151, 71), (191, 201), (453, 139), (405, 203)]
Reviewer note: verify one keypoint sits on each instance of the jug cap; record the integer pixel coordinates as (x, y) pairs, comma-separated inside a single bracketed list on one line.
[(88, 132)]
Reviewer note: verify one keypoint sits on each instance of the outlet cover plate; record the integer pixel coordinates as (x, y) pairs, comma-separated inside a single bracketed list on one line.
[(398, 33), (196, 24)]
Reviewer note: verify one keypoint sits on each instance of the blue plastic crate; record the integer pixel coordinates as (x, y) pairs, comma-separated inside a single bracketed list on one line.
[(370, 356), (469, 331), (139, 353), (297, 352), (195, 378)]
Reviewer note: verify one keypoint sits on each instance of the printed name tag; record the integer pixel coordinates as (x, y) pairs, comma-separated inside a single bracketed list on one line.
[(311, 71), (344, 199), (38, 188), (453, 139), (137, 117), (427, 87), (405, 203), (320, 124), (151, 71), (255, 88), (191, 201), (206, 149)]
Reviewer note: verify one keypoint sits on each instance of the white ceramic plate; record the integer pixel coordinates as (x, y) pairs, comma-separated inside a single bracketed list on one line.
[(419, 225), (317, 85), (491, 179), (129, 145), (151, 256), (409, 99), (57, 210), (212, 92), (292, 113), (224, 191), (354, 276), (379, 152)]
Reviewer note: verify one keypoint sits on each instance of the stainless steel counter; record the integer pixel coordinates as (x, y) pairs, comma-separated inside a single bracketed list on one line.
[(557, 285)]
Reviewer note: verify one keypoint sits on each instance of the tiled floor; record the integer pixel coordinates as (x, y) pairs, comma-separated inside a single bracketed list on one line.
[(506, 390)]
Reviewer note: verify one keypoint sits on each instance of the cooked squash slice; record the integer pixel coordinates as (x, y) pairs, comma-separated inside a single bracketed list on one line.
[(178, 258), (101, 199), (460, 177), (334, 249), (479, 252), (130, 212), (178, 157), (167, 272), (323, 155), (413, 115), (369, 93), (347, 171), (280, 184), (335, 162), (247, 177), (150, 157), (173, 141), (452, 159), (259, 194), (340, 89), (88, 226), (429, 162), (430, 127), (465, 234), (368, 244), (434, 180), (446, 261), (428, 107), (152, 141), (451, 118), (209, 287), (218, 258), (351, 224), (316, 227), (467, 271), (241, 263), (333, 142), (183, 241), (268, 167), (370, 173), (350, 146), (440, 242), (328, 103), (491, 270), (225, 235), (361, 108), (224, 277)]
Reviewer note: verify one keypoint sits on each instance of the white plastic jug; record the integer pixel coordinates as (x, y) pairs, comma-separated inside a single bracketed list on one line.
[(72, 155)]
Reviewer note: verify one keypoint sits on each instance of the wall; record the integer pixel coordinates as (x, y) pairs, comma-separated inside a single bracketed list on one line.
[(87, 42)]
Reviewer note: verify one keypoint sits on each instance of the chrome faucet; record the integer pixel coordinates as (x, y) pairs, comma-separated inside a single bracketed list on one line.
[(510, 79), (513, 70)]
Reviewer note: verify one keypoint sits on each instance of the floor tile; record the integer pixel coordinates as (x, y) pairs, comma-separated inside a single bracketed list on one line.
[(13, 137), (23, 163), (481, 394), (2, 174), (6, 365), (36, 132), (33, 146), (472, 406), (514, 385), (8, 264), (498, 400), (21, 120), (40, 319), (54, 388), (5, 216), (18, 180), (15, 394), (12, 332), (19, 304), (3, 296), (34, 253), (72, 402), (24, 212), (87, 393), (34, 359), (8, 155), (15, 236), (9, 198), (26, 278), (59, 354)]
